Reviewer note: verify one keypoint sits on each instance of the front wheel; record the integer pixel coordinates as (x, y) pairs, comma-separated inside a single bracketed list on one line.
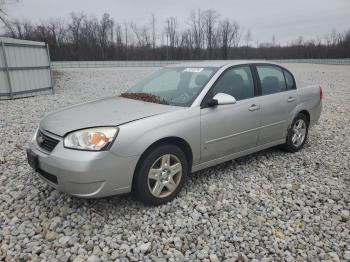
[(297, 134), (161, 175)]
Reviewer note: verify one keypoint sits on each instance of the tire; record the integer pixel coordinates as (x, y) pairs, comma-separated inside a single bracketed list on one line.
[(294, 144), (163, 183)]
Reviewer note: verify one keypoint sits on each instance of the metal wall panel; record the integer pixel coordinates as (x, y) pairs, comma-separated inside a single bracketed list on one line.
[(25, 68), (3, 81), (2, 62), (26, 80), (22, 56)]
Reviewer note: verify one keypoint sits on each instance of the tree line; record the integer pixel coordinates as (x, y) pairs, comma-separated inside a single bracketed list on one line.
[(205, 35)]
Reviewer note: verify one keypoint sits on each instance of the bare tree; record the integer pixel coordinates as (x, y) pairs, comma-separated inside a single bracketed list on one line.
[(171, 35), (16, 30), (126, 40), (186, 39), (273, 40), (229, 35), (3, 14), (248, 38), (106, 33), (58, 30), (75, 26), (153, 24), (196, 26), (134, 28), (335, 37), (171, 31), (209, 20), (141, 34), (299, 41), (205, 36), (118, 35), (236, 32), (106, 30)]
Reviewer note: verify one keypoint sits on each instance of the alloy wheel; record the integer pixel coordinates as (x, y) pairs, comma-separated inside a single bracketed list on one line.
[(299, 132), (164, 175)]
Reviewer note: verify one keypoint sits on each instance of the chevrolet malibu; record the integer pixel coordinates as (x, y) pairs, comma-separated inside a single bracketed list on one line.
[(183, 118)]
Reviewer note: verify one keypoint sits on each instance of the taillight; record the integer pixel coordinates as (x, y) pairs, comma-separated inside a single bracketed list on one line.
[(321, 93)]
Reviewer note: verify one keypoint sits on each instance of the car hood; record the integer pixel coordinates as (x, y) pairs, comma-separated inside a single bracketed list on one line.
[(111, 111)]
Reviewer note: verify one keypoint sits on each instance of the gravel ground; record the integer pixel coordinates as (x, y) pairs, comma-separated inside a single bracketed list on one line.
[(267, 206)]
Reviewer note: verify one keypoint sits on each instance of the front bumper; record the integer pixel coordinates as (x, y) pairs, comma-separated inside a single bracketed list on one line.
[(84, 173)]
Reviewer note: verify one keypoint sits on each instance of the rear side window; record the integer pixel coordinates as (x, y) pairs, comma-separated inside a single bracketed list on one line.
[(271, 79), (289, 80)]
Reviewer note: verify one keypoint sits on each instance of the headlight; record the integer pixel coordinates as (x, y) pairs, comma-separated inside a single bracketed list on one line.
[(97, 138)]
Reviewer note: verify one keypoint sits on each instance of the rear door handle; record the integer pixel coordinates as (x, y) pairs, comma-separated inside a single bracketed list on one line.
[(290, 99), (254, 107)]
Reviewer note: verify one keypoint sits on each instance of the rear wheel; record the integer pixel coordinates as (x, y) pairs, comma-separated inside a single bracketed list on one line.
[(297, 134), (161, 175)]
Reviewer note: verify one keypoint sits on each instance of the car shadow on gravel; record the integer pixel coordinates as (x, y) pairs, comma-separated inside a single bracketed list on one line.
[(128, 202), (110, 208), (238, 163)]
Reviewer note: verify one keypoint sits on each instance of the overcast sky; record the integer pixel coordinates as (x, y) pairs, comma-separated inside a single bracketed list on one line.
[(285, 19)]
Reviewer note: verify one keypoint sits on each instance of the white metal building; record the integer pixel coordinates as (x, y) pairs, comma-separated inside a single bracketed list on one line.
[(25, 68)]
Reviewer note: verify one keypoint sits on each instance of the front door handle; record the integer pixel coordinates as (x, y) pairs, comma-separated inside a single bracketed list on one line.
[(254, 107), (290, 99)]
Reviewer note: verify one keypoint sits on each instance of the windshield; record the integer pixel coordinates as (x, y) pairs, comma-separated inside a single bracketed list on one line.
[(177, 86)]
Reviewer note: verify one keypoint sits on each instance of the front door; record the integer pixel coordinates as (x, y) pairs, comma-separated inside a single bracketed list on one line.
[(228, 129)]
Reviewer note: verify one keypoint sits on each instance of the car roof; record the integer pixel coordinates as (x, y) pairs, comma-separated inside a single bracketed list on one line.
[(218, 63)]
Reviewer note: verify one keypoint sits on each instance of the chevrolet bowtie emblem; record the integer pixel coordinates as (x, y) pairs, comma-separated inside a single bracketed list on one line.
[(39, 139)]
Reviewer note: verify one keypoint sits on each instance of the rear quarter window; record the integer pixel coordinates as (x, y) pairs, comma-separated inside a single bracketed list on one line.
[(289, 80)]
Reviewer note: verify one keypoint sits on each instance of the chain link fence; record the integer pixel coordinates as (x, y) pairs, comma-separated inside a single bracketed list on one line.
[(342, 61), (98, 64)]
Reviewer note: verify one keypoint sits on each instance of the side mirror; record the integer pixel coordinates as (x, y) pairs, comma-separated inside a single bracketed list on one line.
[(221, 99)]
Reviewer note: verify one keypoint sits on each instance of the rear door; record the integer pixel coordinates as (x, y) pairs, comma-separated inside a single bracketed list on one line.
[(278, 100), (227, 129)]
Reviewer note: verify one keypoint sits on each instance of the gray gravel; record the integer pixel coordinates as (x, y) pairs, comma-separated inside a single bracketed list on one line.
[(268, 206)]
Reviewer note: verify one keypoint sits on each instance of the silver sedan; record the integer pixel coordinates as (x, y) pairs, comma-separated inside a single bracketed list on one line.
[(183, 118)]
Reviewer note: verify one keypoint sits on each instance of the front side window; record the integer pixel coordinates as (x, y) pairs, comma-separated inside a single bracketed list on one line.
[(271, 79), (177, 86), (237, 82)]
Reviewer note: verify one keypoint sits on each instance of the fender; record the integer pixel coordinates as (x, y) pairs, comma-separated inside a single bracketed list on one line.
[(184, 124)]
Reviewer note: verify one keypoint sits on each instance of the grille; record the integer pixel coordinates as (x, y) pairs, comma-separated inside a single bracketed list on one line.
[(46, 142)]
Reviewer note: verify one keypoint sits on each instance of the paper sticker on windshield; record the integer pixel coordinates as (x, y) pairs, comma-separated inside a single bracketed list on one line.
[(193, 69)]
